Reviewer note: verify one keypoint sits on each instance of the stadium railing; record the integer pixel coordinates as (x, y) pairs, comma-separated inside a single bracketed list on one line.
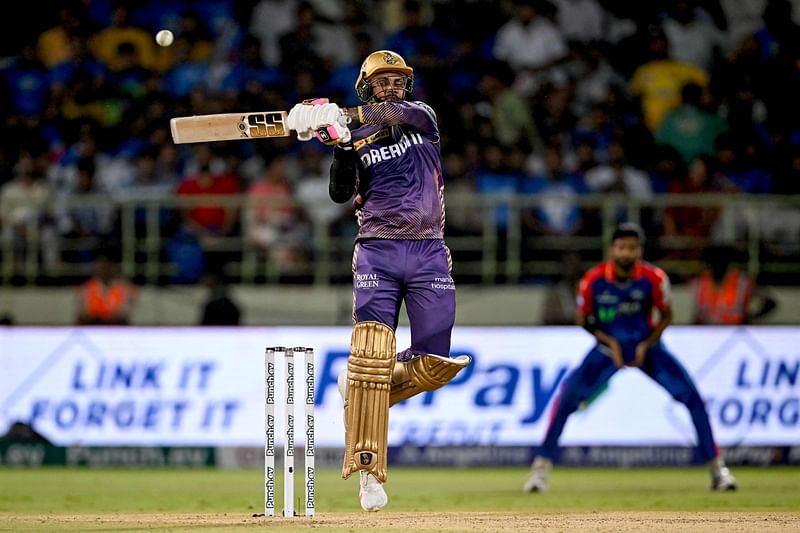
[(486, 233)]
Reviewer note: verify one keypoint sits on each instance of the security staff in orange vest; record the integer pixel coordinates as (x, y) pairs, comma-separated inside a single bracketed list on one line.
[(107, 297), (724, 294)]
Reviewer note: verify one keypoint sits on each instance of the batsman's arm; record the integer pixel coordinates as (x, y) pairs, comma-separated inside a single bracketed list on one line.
[(344, 170), (417, 115)]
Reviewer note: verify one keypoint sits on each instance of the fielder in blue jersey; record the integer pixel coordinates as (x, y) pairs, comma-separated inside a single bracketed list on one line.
[(624, 303), (387, 160)]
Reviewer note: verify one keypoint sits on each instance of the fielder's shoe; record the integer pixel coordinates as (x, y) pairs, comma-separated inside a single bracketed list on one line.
[(371, 493), (721, 477), (540, 471)]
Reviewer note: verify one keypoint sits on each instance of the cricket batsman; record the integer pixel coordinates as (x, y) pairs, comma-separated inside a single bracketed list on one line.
[(387, 160)]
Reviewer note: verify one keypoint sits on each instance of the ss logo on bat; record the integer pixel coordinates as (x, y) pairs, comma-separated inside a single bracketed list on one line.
[(257, 125)]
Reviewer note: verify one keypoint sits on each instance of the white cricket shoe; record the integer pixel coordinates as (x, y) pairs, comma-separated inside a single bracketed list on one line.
[(371, 493), (721, 477), (537, 479)]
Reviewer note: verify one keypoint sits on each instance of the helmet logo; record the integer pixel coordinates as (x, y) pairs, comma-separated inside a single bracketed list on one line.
[(389, 59)]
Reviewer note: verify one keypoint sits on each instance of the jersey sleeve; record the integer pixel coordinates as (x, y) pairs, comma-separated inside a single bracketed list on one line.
[(416, 115), (584, 298), (661, 288)]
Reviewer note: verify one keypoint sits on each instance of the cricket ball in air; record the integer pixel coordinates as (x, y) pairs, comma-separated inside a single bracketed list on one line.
[(164, 38)]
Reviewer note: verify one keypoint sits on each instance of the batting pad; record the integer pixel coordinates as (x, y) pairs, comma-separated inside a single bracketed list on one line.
[(366, 406), (424, 373)]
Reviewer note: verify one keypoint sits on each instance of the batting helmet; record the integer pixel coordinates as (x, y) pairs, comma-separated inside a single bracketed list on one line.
[(382, 61)]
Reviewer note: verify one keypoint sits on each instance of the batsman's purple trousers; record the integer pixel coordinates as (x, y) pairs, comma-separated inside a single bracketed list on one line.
[(388, 272)]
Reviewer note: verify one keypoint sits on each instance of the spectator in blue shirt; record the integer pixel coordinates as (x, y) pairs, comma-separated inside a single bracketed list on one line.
[(736, 164), (557, 214), (29, 84)]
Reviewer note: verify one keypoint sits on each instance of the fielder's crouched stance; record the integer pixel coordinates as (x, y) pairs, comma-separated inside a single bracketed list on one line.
[(390, 166)]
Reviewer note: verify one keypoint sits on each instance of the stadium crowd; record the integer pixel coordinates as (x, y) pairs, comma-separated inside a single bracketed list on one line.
[(560, 98)]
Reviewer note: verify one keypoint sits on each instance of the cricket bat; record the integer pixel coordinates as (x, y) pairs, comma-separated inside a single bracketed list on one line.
[(228, 127)]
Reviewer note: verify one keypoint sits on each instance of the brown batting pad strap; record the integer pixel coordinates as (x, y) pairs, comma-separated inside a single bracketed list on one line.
[(366, 406), (424, 373)]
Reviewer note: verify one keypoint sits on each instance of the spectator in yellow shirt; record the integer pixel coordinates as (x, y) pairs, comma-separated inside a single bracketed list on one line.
[(105, 44), (658, 82), (53, 45)]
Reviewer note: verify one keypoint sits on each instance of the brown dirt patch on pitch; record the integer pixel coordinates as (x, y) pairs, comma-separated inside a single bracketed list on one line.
[(416, 522)]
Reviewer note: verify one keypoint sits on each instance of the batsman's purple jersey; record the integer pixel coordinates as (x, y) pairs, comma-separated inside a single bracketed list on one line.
[(400, 254), (400, 176)]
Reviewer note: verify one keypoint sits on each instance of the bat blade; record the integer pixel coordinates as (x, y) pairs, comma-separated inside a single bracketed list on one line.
[(228, 127)]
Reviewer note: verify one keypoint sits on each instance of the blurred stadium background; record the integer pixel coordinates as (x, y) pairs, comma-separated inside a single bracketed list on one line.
[(681, 115), (559, 119)]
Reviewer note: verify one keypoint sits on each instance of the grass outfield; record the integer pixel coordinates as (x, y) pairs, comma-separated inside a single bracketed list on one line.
[(56, 499)]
